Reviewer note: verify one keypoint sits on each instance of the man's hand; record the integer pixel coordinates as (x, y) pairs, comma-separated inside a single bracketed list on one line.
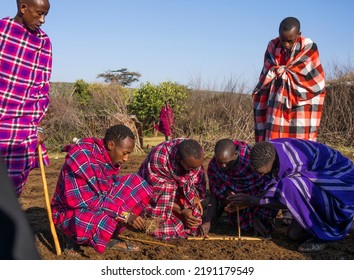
[(244, 199), (136, 222), (190, 220), (240, 201), (41, 138), (233, 206), (196, 202)]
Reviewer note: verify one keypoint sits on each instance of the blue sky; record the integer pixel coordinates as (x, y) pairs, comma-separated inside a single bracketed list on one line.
[(191, 42)]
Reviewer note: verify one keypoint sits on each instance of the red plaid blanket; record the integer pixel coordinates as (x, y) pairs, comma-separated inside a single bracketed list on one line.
[(90, 195), (170, 183), (289, 97), (240, 179)]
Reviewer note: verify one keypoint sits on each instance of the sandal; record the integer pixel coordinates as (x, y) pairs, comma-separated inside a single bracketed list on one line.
[(312, 245), (116, 244), (287, 218)]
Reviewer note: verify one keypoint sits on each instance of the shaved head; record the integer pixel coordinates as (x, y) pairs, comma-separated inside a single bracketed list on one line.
[(226, 154), (21, 2), (190, 148), (224, 148), (288, 24), (32, 2)]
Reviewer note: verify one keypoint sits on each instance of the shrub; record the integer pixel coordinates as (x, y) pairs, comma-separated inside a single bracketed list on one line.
[(148, 100)]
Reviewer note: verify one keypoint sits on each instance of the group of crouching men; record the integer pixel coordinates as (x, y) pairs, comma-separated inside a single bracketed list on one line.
[(92, 204)]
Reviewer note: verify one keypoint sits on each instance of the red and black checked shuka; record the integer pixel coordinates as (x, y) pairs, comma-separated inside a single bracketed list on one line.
[(289, 97), (240, 179), (171, 184), (90, 195), (25, 69)]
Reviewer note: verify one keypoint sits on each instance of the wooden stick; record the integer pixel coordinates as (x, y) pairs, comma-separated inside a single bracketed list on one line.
[(49, 210), (238, 224), (146, 241), (225, 238)]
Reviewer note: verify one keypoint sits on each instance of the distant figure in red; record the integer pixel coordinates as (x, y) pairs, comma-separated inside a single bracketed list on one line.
[(166, 120)]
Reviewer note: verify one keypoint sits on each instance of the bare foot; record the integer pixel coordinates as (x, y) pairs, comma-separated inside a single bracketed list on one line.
[(72, 249), (122, 245)]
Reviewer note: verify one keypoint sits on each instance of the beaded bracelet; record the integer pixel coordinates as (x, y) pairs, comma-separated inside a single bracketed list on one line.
[(123, 217)]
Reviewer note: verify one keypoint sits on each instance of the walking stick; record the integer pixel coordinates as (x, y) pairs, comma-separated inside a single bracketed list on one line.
[(225, 238), (238, 227), (49, 210), (238, 224)]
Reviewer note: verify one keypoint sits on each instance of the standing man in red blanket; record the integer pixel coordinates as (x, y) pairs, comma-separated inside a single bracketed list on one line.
[(25, 69), (174, 169), (167, 120), (289, 97)]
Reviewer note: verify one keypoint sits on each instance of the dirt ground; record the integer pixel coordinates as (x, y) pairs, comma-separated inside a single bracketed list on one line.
[(279, 248)]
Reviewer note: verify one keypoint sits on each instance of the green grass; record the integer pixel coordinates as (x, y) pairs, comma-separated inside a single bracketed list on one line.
[(56, 155), (153, 141)]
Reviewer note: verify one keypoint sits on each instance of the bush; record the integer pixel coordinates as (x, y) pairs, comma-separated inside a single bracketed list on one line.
[(148, 100)]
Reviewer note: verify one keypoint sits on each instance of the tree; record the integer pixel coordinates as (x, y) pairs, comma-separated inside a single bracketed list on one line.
[(121, 77), (82, 93), (149, 98)]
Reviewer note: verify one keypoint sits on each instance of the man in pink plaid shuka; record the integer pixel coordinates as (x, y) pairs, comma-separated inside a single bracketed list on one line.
[(25, 69), (91, 199)]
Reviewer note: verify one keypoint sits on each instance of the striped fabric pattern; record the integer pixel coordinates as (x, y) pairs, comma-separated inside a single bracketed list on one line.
[(288, 99), (171, 183), (316, 183), (240, 179), (25, 70), (90, 195)]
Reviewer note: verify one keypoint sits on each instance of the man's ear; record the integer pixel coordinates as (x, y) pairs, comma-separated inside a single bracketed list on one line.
[(23, 8), (110, 145), (236, 154)]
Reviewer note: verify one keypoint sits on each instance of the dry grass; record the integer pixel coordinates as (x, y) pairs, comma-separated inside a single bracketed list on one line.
[(150, 142), (152, 224)]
